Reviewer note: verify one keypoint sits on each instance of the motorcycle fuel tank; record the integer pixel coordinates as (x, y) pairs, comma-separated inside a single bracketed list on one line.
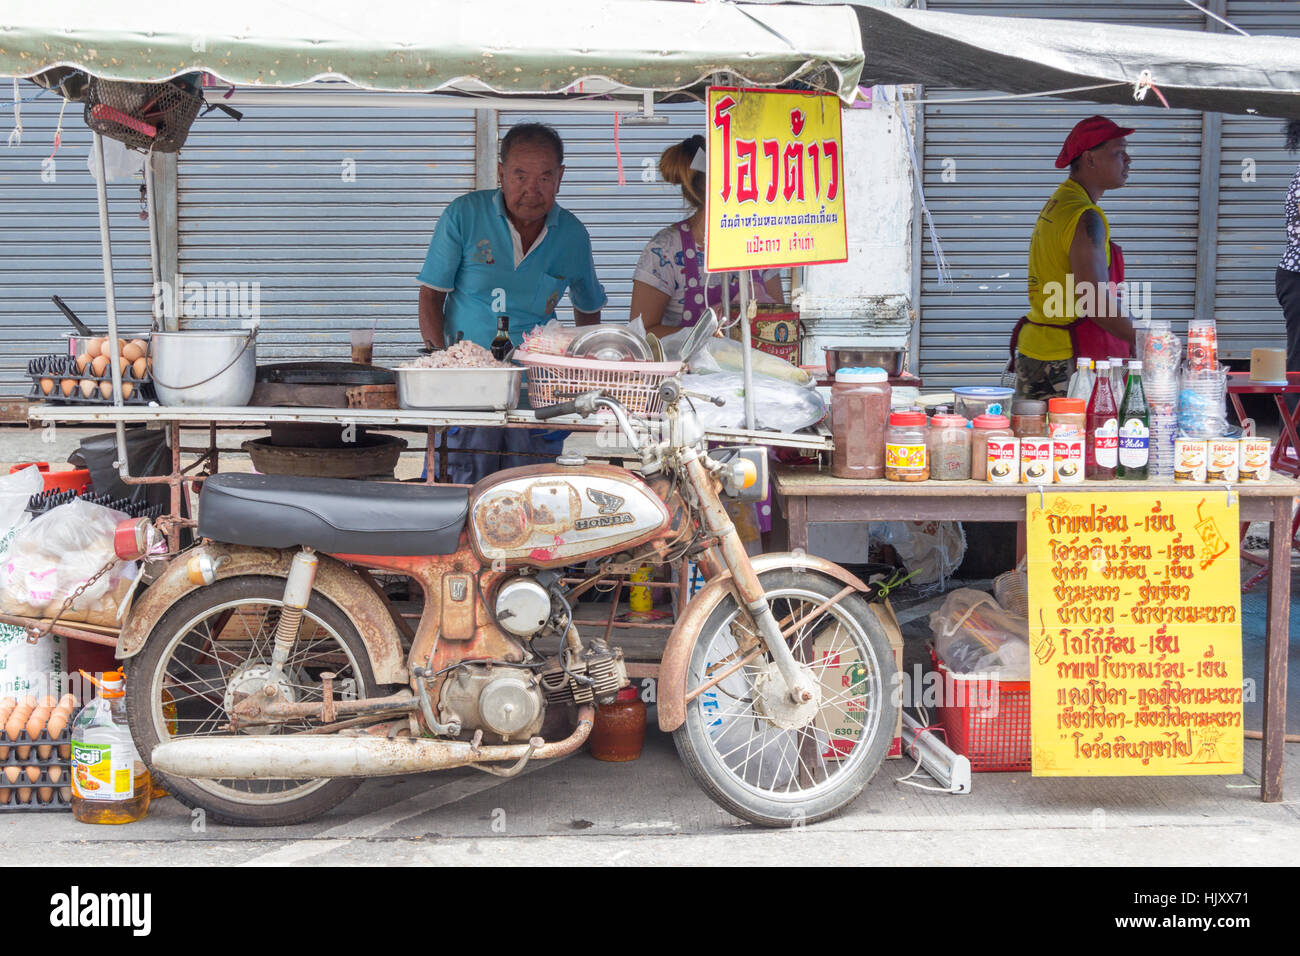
[(553, 515)]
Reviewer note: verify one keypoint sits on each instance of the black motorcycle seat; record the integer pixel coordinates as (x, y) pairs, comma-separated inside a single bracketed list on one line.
[(334, 515)]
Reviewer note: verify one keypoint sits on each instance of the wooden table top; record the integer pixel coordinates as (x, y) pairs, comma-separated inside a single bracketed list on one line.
[(813, 482)]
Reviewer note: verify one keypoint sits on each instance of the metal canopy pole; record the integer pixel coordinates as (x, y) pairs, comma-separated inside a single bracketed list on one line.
[(155, 262), (746, 362), (110, 302)]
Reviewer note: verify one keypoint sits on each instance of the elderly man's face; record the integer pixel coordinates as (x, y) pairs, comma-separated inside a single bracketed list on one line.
[(530, 178)]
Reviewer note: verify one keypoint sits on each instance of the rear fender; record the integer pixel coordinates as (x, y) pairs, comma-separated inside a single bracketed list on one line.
[(333, 579), (671, 692)]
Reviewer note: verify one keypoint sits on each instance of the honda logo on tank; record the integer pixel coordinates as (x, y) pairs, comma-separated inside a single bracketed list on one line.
[(776, 179)]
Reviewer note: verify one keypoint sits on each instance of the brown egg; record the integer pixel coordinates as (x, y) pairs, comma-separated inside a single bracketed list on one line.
[(17, 721), (99, 364), (56, 773), (65, 794), (95, 346), (141, 344), (4, 796), (68, 386), (47, 386), (45, 794), (37, 721), (132, 351), (107, 348), (127, 390), (106, 389), (88, 386), (33, 773), (12, 774), (66, 703), (24, 794), (139, 367), (82, 361)]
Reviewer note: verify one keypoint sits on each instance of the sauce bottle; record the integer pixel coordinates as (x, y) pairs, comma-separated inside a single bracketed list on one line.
[(1101, 450), (500, 347), (1134, 429), (110, 783)]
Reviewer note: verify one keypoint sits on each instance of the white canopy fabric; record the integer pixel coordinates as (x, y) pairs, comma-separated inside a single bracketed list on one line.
[(498, 46)]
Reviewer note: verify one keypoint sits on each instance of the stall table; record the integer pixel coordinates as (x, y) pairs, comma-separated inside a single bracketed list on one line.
[(808, 494)]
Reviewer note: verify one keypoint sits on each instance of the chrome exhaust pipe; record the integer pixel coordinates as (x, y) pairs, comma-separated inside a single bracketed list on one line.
[(275, 757)]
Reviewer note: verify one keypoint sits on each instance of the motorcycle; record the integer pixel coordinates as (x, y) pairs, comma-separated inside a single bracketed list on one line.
[(268, 672)]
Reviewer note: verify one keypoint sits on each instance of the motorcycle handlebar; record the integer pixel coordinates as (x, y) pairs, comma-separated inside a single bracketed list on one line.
[(583, 405)]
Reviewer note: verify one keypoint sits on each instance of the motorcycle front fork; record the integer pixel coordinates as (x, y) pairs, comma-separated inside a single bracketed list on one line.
[(750, 590)]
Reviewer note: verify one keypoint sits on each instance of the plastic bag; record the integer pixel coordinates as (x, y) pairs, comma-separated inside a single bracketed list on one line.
[(778, 406), (932, 549), (57, 554), (730, 356), (15, 491), (553, 338), (974, 635)]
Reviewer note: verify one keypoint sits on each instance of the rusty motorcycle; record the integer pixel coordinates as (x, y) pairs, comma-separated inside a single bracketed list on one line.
[(268, 673)]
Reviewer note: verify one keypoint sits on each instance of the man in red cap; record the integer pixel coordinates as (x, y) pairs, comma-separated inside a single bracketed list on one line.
[(1074, 267)]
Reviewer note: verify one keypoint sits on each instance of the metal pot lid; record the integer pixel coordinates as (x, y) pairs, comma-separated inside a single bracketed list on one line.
[(609, 344)]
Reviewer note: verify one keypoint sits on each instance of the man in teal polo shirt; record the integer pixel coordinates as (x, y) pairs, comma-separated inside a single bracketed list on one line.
[(508, 251)]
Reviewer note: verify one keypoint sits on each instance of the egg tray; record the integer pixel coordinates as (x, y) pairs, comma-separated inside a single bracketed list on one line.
[(57, 801), (59, 367)]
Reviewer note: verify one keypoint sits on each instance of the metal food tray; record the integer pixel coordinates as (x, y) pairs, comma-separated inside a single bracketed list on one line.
[(459, 389)]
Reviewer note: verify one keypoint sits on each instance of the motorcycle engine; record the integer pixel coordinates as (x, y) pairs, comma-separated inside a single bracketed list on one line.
[(504, 702)]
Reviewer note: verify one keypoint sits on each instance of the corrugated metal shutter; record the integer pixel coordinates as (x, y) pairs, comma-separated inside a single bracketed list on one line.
[(1255, 172), (999, 160), (329, 209), (50, 241), (620, 219)]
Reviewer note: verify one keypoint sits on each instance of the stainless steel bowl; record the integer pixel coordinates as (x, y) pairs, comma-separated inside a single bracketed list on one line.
[(848, 356), (609, 344)]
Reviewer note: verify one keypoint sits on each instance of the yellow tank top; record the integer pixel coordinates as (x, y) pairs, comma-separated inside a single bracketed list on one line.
[(1052, 299)]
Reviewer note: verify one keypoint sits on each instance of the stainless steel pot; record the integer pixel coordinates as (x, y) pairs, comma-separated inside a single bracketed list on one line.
[(204, 368), (848, 356)]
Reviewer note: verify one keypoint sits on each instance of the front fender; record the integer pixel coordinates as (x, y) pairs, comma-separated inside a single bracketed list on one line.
[(333, 579), (671, 692)]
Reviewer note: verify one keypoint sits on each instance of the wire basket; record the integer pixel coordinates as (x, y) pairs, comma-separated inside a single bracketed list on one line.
[(558, 378), (144, 116), (1012, 591)]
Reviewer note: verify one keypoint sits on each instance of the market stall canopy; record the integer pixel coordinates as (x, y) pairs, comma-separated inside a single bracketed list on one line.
[(1216, 72), (497, 46)]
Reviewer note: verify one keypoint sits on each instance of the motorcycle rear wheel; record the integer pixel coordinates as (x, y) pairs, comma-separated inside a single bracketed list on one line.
[(786, 777), (177, 686)]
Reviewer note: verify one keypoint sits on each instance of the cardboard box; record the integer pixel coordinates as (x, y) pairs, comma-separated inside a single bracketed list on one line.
[(838, 674)]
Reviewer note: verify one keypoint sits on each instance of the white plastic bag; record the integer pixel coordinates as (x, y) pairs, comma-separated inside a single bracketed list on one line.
[(932, 549), (15, 491), (778, 406), (973, 634), (58, 553)]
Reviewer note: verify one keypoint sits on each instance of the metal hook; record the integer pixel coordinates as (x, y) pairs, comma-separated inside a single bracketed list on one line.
[(1228, 488), (1041, 502)]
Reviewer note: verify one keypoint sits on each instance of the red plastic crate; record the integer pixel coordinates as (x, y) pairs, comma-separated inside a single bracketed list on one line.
[(992, 736), (71, 479)]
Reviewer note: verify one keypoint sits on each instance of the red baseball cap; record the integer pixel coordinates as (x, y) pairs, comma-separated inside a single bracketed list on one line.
[(1086, 135)]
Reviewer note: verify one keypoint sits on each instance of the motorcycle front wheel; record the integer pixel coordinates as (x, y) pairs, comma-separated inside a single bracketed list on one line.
[(748, 752), (205, 652)]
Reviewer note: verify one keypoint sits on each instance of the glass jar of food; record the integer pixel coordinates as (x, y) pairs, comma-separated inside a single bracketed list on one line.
[(1029, 418), (859, 412), (906, 456), (1066, 417), (948, 442), (982, 429)]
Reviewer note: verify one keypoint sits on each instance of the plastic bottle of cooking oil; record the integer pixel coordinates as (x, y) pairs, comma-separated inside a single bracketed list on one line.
[(110, 783)]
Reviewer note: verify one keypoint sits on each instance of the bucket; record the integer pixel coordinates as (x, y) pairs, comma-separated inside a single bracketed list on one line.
[(204, 368)]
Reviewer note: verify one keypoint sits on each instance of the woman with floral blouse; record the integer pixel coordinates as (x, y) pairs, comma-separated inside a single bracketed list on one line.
[(1288, 270)]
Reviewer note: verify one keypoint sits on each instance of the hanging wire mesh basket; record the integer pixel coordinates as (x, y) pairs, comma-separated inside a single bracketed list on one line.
[(144, 116)]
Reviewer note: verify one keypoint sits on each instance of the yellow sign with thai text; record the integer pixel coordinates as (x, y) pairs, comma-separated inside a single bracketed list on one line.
[(1135, 633), (776, 180)]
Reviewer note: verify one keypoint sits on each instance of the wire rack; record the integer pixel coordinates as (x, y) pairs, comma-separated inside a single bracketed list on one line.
[(558, 378)]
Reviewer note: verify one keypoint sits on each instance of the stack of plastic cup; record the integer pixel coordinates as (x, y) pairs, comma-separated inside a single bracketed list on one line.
[(1202, 403), (1161, 357)]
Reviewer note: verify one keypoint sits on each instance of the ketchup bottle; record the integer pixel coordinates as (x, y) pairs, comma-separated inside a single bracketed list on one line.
[(1101, 449)]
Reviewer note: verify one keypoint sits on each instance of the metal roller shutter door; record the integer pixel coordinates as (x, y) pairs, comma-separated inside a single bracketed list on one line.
[(1255, 172), (50, 241), (267, 200), (999, 162)]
